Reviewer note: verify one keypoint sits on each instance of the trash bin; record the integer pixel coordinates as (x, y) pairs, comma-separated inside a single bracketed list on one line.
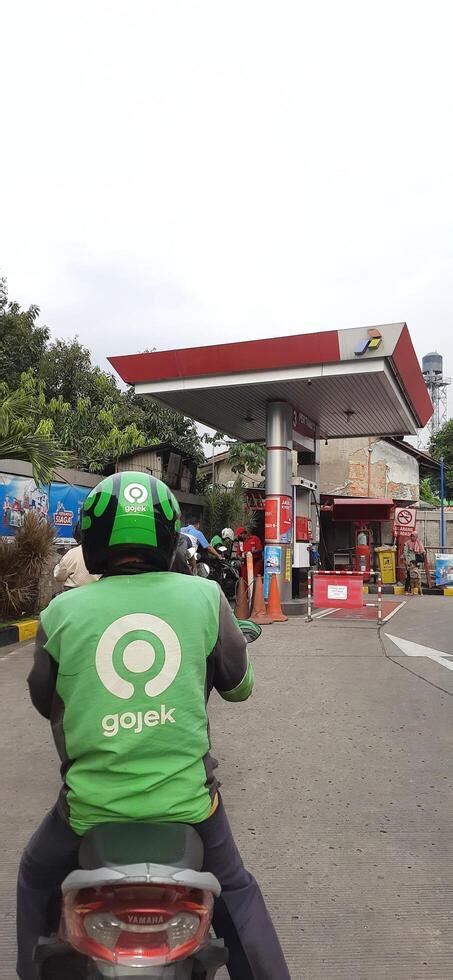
[(387, 564)]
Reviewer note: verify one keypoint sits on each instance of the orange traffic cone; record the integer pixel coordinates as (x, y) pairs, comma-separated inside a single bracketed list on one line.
[(274, 608), (241, 607), (259, 614)]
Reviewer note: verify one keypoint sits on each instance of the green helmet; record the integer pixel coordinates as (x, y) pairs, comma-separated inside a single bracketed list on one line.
[(216, 541), (130, 514)]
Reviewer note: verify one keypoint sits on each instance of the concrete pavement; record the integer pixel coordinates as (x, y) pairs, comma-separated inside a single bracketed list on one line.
[(337, 776)]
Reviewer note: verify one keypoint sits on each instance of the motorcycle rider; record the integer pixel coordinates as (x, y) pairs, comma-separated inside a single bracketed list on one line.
[(228, 539), (195, 534), (96, 651)]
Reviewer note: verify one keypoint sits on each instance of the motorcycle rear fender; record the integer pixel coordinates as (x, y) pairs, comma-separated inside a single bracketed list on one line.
[(141, 874)]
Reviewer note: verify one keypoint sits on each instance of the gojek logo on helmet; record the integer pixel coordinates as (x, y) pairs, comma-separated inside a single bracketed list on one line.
[(138, 657), (136, 496)]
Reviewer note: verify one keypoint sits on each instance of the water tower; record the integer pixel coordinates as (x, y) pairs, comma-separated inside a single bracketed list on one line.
[(437, 384)]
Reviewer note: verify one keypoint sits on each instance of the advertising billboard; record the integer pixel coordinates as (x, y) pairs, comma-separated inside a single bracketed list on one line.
[(59, 503)]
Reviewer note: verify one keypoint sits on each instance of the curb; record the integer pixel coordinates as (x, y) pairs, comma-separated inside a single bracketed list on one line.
[(386, 589), (22, 629), (399, 590)]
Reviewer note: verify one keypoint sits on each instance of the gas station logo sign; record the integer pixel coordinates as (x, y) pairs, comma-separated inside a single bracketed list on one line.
[(371, 343), (303, 425)]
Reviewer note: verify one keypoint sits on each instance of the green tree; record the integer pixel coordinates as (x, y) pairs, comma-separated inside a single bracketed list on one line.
[(245, 457), (162, 425), (22, 342), (67, 371), (442, 445), (96, 432), (75, 402), (248, 457), (22, 438), (427, 493), (226, 508)]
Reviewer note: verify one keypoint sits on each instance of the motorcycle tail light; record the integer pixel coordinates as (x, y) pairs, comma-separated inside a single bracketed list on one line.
[(135, 924)]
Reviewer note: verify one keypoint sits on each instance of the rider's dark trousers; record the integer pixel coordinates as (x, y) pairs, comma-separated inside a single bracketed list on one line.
[(240, 915)]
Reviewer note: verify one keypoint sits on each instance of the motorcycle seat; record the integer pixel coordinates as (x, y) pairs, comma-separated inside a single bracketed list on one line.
[(111, 845)]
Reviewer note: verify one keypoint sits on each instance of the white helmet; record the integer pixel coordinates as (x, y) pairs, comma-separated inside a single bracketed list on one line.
[(228, 534)]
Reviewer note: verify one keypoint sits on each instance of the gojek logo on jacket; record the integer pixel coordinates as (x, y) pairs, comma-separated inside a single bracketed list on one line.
[(138, 657)]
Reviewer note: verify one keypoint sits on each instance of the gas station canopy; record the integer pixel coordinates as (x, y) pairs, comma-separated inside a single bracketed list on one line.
[(357, 382)]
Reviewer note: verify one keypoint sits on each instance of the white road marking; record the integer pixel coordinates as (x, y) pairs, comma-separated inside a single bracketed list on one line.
[(323, 613), (412, 649), (395, 610)]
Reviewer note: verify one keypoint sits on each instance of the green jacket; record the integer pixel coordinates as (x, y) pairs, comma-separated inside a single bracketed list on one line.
[(123, 669)]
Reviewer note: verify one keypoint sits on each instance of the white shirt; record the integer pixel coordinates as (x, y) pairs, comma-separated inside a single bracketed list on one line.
[(72, 569)]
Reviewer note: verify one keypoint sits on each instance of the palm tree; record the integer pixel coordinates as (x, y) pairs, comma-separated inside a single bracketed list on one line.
[(20, 437)]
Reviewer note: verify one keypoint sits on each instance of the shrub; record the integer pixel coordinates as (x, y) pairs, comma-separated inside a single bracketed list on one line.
[(22, 561), (226, 508)]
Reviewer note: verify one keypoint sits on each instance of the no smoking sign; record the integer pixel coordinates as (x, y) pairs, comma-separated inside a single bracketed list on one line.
[(405, 519)]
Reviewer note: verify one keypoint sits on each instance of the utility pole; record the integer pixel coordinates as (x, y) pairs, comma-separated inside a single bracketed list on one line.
[(442, 494)]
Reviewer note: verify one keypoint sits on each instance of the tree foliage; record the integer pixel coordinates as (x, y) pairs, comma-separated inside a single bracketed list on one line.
[(22, 342), (226, 508), (427, 493), (78, 405), (244, 457), (21, 435), (248, 457), (442, 445)]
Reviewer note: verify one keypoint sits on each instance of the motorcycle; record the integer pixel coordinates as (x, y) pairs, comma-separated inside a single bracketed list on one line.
[(138, 906), (224, 570)]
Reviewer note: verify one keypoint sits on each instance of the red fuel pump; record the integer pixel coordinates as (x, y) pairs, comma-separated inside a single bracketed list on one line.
[(363, 552)]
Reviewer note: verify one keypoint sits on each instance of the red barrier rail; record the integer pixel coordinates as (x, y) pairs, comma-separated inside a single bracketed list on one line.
[(342, 590)]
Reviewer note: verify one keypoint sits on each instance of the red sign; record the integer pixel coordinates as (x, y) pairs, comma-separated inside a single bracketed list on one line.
[(271, 519), (64, 518), (303, 529), (303, 425), (278, 521), (334, 590), (286, 518), (405, 520)]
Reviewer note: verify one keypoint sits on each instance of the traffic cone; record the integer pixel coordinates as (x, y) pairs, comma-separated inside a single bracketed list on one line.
[(274, 609), (241, 607), (259, 614)]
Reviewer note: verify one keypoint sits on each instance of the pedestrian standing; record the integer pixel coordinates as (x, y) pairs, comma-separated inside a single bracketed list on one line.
[(413, 551)]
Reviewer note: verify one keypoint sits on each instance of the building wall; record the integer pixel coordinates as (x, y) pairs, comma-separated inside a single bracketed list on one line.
[(348, 469), (147, 461), (79, 478), (428, 528), (224, 474)]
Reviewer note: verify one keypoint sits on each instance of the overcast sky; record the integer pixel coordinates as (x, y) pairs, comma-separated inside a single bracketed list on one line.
[(179, 173)]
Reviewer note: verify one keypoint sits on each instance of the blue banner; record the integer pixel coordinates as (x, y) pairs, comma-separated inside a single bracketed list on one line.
[(58, 503), (272, 565), (444, 570)]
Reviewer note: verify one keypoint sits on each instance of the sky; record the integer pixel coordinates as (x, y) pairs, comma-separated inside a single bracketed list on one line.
[(186, 172)]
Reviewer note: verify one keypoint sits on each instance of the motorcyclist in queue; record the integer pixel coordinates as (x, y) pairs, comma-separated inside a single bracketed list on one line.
[(97, 650)]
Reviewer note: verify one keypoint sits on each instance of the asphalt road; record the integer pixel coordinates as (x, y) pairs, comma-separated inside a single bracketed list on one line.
[(337, 776)]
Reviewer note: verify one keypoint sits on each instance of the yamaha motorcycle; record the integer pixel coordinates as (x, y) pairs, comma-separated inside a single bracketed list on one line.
[(139, 905)]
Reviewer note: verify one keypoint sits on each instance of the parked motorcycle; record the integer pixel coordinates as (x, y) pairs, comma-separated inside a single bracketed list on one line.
[(224, 570), (139, 905)]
